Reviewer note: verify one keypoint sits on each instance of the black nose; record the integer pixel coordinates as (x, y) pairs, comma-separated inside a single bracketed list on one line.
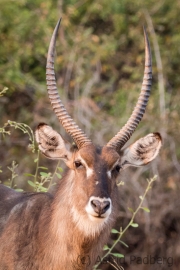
[(100, 207)]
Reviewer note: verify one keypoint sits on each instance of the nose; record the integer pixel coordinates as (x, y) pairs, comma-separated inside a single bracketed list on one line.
[(100, 207)]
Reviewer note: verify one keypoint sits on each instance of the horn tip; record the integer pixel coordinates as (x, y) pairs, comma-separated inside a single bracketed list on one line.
[(59, 21), (145, 34), (144, 28), (58, 24)]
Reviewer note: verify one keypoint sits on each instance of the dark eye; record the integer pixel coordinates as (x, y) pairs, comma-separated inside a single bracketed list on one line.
[(78, 164), (117, 168)]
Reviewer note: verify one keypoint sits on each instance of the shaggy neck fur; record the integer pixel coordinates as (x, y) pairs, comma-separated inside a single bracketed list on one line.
[(73, 234)]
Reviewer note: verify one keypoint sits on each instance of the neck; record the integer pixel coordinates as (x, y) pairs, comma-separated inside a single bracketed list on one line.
[(70, 239)]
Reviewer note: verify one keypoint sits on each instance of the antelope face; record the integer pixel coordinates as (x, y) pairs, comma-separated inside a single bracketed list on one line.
[(95, 170), (94, 173)]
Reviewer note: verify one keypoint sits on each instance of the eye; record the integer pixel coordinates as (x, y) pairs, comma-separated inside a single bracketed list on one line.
[(78, 164), (117, 168)]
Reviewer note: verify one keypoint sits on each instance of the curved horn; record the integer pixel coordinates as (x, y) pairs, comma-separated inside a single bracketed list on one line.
[(127, 130), (67, 122)]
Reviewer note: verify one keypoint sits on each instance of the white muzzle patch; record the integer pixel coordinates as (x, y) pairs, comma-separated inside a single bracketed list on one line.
[(93, 214)]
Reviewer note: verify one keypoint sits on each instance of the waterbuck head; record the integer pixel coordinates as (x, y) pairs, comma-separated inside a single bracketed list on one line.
[(94, 170)]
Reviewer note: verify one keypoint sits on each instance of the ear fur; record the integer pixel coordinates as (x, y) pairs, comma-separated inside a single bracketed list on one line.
[(51, 143), (142, 151)]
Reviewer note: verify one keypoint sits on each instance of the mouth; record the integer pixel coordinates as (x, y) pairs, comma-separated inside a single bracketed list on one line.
[(98, 218)]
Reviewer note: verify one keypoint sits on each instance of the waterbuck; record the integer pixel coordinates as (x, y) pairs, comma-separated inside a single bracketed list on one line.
[(40, 231)]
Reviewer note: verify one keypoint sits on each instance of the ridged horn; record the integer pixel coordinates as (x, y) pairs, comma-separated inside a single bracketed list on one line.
[(67, 122), (119, 140)]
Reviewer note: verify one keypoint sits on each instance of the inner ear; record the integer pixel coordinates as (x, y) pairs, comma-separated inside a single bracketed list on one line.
[(142, 151), (51, 144)]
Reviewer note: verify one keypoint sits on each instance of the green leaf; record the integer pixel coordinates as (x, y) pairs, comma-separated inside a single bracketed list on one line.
[(31, 183), (28, 174), (105, 247), (60, 169), (131, 210), (44, 174), (43, 189), (44, 168), (114, 231), (59, 175), (36, 160), (135, 225), (19, 189), (117, 255), (145, 209)]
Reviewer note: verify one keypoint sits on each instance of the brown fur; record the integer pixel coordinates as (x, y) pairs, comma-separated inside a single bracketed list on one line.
[(38, 231)]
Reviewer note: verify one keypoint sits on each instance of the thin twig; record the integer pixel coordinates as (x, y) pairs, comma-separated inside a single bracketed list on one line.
[(37, 167), (52, 178)]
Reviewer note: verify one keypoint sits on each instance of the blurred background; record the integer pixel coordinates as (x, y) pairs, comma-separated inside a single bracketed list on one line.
[(99, 70)]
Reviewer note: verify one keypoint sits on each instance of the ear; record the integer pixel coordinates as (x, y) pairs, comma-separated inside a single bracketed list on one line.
[(142, 151), (52, 144)]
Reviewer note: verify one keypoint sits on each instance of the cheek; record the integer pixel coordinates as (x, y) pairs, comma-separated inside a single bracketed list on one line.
[(80, 191), (112, 185)]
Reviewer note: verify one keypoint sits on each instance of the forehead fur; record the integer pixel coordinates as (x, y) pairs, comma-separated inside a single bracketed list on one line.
[(92, 154), (89, 154), (110, 155)]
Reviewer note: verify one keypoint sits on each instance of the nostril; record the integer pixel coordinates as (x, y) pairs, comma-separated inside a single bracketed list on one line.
[(105, 206), (100, 207), (96, 205)]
